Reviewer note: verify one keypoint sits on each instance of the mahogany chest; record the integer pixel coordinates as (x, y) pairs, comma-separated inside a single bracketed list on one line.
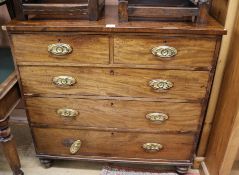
[(120, 92)]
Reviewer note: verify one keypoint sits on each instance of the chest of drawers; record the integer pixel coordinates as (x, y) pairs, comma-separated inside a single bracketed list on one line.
[(136, 92)]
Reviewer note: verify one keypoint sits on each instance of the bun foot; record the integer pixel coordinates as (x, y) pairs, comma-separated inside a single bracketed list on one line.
[(46, 163), (182, 170), (19, 172)]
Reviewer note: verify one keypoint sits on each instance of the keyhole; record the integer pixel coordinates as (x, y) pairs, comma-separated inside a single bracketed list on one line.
[(112, 72), (112, 104), (59, 40)]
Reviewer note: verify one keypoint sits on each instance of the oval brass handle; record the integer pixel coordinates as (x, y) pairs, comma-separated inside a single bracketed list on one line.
[(164, 51), (152, 147), (157, 117), (64, 112), (59, 49), (64, 81), (75, 147), (160, 84)]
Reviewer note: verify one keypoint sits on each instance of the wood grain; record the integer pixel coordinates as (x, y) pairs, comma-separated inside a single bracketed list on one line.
[(222, 59), (224, 138), (219, 10), (9, 101), (9, 98), (212, 28), (123, 11), (182, 10), (203, 12), (86, 48), (9, 146), (59, 9), (128, 115), (7, 84), (115, 82), (5, 18), (111, 92), (9, 95), (192, 52), (207, 107), (112, 144)]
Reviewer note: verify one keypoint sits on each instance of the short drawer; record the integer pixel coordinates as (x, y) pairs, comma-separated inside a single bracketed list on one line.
[(122, 145), (167, 52), (126, 115), (61, 48), (164, 84)]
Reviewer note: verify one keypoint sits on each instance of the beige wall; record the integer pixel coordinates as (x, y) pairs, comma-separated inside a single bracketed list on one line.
[(112, 2)]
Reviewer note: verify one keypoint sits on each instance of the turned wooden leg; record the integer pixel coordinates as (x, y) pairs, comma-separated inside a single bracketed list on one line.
[(46, 163), (182, 169), (9, 147)]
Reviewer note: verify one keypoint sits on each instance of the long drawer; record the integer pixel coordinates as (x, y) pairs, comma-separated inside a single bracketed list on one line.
[(126, 115), (81, 143), (164, 51), (61, 48), (164, 84)]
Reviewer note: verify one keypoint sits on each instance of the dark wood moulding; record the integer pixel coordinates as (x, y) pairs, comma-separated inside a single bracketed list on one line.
[(164, 10), (52, 9)]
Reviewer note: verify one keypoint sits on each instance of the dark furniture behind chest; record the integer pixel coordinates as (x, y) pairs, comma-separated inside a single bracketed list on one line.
[(167, 10), (79, 9), (121, 92), (9, 98)]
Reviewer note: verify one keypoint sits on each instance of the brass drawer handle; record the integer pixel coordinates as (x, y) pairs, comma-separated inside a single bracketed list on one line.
[(64, 112), (64, 81), (160, 84), (152, 147), (164, 51), (157, 117), (59, 49), (75, 147)]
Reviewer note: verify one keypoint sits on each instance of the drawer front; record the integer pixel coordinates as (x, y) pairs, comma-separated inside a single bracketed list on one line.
[(61, 48), (112, 144), (134, 115), (190, 52), (169, 84)]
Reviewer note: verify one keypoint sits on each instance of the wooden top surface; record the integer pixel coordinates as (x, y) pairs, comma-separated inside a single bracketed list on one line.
[(111, 24)]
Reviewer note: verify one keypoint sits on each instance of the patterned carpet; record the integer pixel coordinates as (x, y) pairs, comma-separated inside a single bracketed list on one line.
[(121, 170), (129, 171)]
